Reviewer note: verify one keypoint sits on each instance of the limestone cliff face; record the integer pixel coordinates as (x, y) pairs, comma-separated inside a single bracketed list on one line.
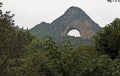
[(73, 18), (76, 18), (84, 29)]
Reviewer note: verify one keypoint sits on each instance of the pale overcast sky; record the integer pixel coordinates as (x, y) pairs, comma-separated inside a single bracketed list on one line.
[(28, 13)]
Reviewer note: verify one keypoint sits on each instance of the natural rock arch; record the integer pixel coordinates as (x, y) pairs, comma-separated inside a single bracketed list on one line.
[(73, 18), (85, 29)]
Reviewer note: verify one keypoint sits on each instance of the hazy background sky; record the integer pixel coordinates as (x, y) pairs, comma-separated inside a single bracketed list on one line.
[(28, 13)]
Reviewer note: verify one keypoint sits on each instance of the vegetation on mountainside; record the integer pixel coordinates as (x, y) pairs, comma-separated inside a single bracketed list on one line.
[(21, 54), (73, 18)]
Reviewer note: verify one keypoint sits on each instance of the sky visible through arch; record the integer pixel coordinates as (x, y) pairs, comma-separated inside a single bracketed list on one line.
[(74, 33), (28, 13)]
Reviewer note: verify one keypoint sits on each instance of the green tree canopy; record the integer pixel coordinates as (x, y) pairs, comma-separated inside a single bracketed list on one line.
[(108, 40), (12, 42)]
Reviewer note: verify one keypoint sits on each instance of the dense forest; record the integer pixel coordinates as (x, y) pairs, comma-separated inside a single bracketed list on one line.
[(21, 54)]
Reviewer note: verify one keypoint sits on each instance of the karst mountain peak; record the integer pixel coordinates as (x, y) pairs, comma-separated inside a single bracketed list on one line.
[(74, 11), (73, 18)]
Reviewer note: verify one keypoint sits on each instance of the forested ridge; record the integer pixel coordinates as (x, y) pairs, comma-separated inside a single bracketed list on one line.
[(21, 54)]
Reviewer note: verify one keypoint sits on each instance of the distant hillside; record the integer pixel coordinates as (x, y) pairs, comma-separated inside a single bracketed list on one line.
[(73, 18)]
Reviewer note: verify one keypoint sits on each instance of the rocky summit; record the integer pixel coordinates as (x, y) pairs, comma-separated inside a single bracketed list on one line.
[(73, 18)]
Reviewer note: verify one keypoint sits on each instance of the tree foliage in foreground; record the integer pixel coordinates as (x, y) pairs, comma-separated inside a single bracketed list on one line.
[(46, 58), (23, 55), (12, 42), (49, 59), (108, 40)]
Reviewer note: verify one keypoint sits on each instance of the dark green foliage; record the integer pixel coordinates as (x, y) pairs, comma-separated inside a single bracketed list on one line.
[(115, 67), (12, 42), (108, 40), (64, 60), (76, 41), (23, 55)]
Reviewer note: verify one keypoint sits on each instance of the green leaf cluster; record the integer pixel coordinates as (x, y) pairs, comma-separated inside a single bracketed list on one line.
[(108, 40)]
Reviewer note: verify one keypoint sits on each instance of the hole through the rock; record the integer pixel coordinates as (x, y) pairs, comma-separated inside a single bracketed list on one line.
[(74, 32)]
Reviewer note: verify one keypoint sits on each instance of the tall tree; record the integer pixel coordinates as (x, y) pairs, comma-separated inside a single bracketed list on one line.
[(12, 42), (108, 40)]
